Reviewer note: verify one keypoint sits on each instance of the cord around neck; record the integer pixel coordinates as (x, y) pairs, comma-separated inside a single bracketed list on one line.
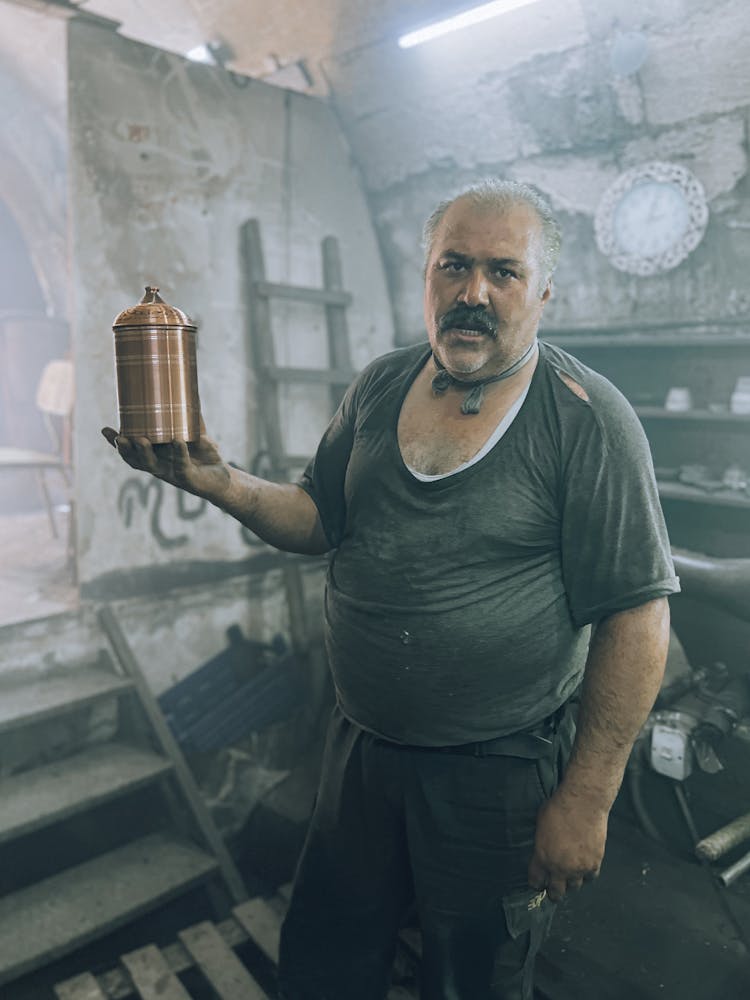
[(475, 389)]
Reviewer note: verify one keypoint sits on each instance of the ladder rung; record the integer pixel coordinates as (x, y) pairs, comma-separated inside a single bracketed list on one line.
[(322, 376), (292, 461), (300, 293)]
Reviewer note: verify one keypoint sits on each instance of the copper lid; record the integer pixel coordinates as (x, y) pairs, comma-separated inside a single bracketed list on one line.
[(152, 310)]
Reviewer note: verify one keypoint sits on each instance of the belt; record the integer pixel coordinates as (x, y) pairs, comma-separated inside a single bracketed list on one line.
[(533, 743)]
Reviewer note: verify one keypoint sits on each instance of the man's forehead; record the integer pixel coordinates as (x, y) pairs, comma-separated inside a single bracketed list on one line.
[(467, 223)]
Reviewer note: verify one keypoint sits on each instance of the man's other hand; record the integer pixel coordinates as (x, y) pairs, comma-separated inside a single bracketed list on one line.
[(569, 844)]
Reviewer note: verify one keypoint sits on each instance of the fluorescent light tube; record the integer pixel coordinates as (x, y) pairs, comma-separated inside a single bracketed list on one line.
[(463, 20)]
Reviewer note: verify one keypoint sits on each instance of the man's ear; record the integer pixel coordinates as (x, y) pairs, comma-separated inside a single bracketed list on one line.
[(547, 293)]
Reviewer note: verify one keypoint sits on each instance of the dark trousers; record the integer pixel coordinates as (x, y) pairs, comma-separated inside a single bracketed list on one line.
[(452, 832)]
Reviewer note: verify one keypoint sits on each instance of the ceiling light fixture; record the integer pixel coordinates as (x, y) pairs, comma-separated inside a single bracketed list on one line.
[(473, 16)]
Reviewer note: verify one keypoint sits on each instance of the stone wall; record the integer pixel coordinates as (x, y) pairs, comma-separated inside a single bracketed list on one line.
[(541, 95)]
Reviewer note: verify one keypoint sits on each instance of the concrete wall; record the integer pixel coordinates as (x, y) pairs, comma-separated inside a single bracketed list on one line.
[(167, 160), (33, 142), (155, 163), (536, 95)]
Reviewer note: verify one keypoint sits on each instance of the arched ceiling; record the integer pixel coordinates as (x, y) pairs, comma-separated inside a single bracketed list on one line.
[(261, 35)]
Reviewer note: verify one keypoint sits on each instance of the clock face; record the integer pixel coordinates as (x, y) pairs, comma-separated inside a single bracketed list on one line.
[(651, 218)]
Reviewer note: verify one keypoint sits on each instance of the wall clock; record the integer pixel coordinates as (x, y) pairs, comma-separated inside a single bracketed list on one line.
[(651, 218)]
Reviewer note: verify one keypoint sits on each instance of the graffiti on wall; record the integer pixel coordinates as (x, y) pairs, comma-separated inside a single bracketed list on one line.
[(150, 495)]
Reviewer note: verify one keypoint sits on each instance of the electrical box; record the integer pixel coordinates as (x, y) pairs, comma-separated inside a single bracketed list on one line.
[(671, 749)]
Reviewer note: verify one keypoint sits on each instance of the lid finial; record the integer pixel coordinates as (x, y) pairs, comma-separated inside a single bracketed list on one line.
[(152, 295)]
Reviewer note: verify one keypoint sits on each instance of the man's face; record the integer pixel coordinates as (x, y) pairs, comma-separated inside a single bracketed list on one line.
[(483, 295)]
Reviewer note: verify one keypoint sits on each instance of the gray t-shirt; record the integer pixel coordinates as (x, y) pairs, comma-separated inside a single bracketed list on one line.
[(458, 610)]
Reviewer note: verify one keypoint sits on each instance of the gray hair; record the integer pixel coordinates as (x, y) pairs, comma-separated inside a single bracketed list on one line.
[(502, 194)]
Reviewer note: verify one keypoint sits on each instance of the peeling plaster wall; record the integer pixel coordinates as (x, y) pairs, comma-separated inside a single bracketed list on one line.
[(533, 95), (168, 159)]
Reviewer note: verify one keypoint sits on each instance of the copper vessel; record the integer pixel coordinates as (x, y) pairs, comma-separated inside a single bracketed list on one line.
[(157, 375)]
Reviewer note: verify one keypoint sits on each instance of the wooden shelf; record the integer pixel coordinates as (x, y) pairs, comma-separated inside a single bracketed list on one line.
[(596, 341), (691, 494), (696, 416)]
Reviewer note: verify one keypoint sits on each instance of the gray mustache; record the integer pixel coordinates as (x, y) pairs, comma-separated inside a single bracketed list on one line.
[(464, 318)]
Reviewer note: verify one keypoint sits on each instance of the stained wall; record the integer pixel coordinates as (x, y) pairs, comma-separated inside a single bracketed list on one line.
[(546, 94), (167, 160)]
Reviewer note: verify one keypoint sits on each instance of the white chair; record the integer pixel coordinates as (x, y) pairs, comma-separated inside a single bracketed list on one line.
[(55, 395)]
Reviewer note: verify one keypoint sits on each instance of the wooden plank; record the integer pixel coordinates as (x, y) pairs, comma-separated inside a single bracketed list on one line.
[(339, 355), (657, 339), (151, 975), (293, 461), (697, 416), (225, 972), (83, 987), (58, 914), (48, 794), (169, 745), (301, 293), (21, 704), (260, 342), (263, 924), (116, 982), (692, 494)]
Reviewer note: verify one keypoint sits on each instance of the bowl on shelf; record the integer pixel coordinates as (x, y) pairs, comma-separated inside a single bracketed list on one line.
[(679, 399)]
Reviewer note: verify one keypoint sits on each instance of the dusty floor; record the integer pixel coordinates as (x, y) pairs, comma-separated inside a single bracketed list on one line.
[(35, 577), (654, 926)]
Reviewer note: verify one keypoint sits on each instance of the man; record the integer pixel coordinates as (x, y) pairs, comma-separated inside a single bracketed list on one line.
[(497, 540)]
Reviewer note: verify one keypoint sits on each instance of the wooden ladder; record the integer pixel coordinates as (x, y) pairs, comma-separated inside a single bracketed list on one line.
[(270, 376), (113, 879)]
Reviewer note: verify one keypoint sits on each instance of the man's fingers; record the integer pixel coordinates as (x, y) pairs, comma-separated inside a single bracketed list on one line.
[(180, 457), (127, 450), (143, 451), (556, 889), (537, 874), (557, 885), (169, 461), (111, 435)]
